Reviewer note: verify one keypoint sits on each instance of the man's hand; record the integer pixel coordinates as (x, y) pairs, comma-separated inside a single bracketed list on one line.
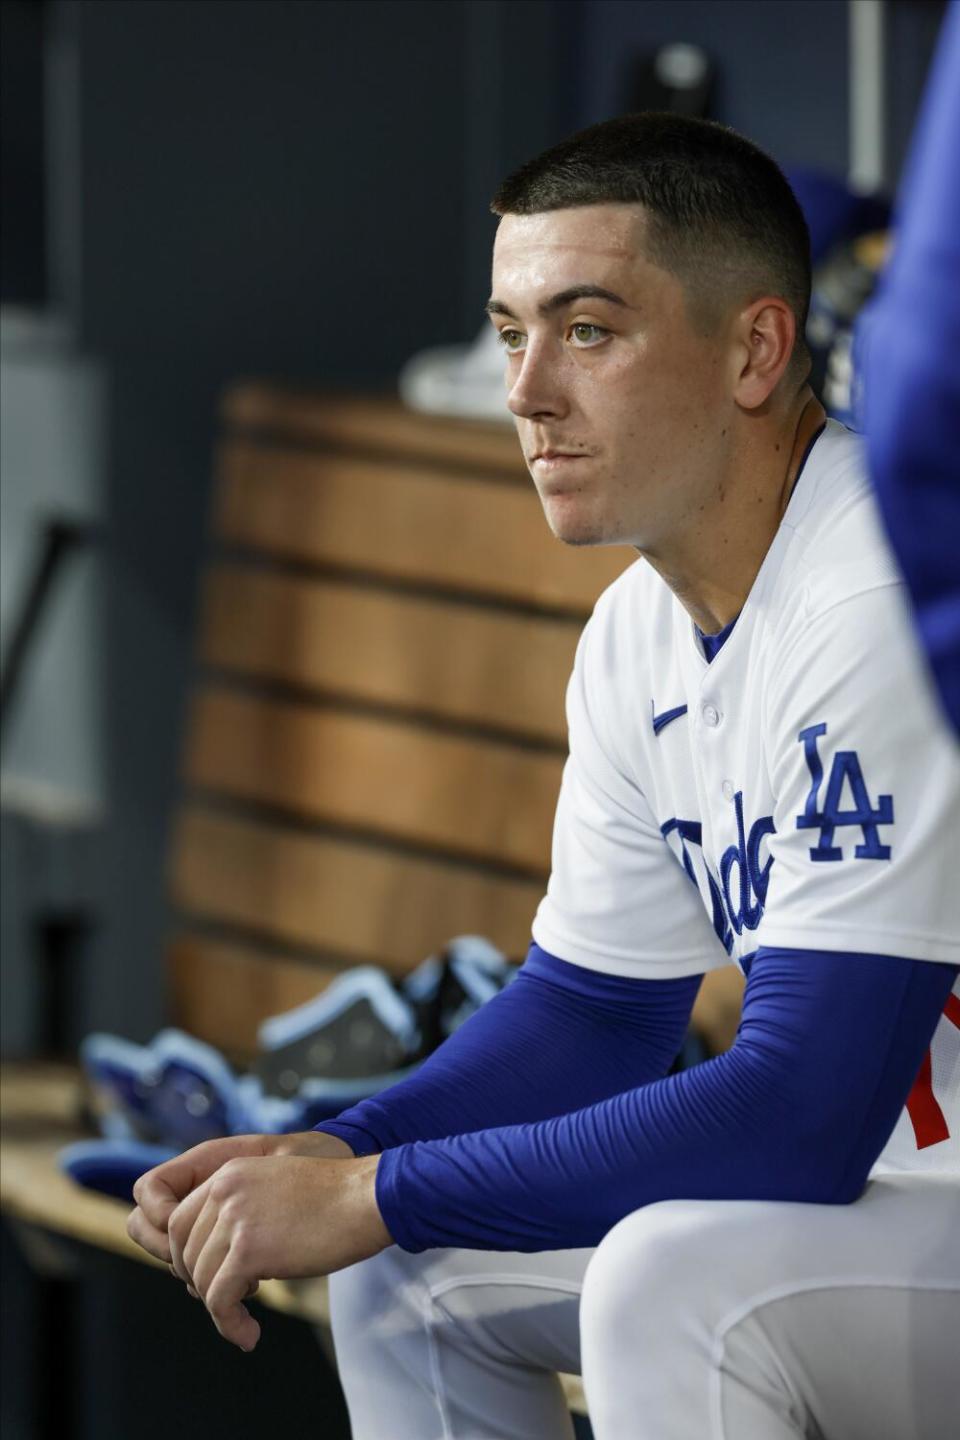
[(272, 1216), (160, 1191)]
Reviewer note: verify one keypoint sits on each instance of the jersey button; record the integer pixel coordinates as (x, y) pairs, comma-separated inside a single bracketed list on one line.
[(711, 716), (729, 789)]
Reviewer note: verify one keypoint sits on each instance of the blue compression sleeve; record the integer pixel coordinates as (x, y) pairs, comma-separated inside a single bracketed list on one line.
[(799, 1109), (558, 1038), (908, 344)]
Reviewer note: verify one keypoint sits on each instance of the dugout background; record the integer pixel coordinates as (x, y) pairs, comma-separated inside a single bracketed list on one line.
[(195, 190)]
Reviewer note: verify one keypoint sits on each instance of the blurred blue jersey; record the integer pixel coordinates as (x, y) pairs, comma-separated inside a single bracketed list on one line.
[(909, 347)]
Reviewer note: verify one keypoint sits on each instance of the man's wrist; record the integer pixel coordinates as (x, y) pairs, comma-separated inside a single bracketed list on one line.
[(374, 1226), (317, 1144), (361, 1140)]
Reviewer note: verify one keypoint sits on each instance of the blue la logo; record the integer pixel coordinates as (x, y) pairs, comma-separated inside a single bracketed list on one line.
[(845, 770)]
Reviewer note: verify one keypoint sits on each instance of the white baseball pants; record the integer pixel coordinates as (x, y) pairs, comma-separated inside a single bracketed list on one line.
[(692, 1320)]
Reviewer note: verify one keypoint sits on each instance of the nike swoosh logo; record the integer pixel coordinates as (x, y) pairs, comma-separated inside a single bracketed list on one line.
[(662, 720)]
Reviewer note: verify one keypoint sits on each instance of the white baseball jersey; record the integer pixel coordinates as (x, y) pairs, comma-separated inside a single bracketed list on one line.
[(801, 791)]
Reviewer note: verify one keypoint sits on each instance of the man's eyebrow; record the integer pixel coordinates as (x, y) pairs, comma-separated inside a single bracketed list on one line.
[(559, 301)]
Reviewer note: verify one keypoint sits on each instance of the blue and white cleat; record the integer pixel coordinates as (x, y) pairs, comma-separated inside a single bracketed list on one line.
[(446, 989), (176, 1091), (354, 1039)]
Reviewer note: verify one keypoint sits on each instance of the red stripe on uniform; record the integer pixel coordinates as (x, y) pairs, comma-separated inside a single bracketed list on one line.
[(929, 1125), (952, 1010)]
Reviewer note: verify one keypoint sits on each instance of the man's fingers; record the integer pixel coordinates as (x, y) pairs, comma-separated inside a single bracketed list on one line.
[(189, 1213), (205, 1253), (155, 1195), (225, 1302), (160, 1190), (147, 1236)]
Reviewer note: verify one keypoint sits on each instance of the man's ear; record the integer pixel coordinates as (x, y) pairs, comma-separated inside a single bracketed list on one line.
[(765, 334)]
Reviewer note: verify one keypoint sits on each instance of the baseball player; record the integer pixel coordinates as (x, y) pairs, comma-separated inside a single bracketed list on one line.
[(764, 1246)]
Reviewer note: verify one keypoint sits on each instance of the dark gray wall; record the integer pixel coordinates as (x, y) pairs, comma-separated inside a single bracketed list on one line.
[(22, 252), (913, 27), (782, 67)]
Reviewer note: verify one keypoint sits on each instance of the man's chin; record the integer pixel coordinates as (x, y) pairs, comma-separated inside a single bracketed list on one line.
[(573, 529), (581, 539)]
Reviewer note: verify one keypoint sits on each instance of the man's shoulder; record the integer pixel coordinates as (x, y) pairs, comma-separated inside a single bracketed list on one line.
[(837, 548), (838, 607)]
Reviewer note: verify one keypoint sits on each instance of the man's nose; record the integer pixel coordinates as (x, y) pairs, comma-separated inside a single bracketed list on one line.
[(537, 390)]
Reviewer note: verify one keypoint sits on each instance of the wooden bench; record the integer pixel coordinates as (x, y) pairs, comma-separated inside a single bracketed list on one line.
[(376, 730)]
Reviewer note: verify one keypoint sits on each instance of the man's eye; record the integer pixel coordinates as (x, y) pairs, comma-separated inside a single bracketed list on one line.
[(511, 340), (588, 334)]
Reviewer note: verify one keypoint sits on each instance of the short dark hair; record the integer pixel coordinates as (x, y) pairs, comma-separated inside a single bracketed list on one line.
[(721, 213)]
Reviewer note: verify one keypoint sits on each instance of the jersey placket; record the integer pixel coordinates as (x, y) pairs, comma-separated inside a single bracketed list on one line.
[(704, 698)]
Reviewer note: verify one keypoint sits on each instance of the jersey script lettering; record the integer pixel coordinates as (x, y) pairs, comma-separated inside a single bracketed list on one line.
[(740, 906)]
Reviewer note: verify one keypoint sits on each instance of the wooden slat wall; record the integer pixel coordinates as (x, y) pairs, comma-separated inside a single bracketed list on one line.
[(425, 527), (486, 799), (371, 425), (459, 662), (341, 895)]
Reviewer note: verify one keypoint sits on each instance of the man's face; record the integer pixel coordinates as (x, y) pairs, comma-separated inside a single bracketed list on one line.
[(620, 405)]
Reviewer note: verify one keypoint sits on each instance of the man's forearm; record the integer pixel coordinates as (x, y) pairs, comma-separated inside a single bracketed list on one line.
[(798, 1110), (557, 1039)]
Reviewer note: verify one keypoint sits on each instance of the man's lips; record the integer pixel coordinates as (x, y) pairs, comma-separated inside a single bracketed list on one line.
[(551, 457), (558, 472)]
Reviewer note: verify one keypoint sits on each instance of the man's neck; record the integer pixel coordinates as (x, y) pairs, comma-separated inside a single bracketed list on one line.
[(712, 567)]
